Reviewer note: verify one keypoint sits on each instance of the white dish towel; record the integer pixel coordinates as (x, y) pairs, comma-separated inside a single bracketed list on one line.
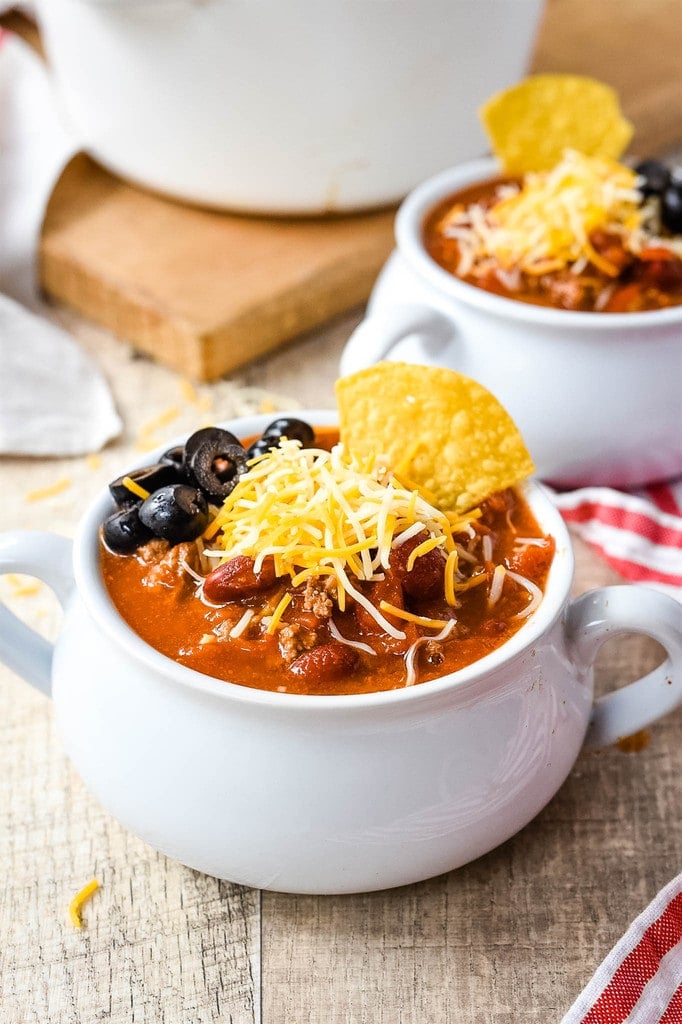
[(53, 398)]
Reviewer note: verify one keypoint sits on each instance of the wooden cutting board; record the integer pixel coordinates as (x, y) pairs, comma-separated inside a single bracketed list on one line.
[(205, 292)]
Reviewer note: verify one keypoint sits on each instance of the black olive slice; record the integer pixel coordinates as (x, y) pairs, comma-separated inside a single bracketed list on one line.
[(261, 447), (174, 457), (176, 513), (216, 467), (671, 209), (199, 437), (150, 478), (295, 430), (123, 532), (655, 177)]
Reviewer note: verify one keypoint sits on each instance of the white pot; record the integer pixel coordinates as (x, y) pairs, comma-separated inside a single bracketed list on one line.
[(266, 106), (330, 794), (595, 395)]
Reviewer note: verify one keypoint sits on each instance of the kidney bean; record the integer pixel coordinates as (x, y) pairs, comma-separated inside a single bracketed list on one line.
[(236, 578), (425, 578), (655, 271), (324, 663), (533, 561), (388, 589), (610, 246)]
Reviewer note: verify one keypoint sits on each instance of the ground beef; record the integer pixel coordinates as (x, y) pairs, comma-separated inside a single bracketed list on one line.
[(566, 290), (152, 551), (317, 597), (294, 638), (433, 652), (166, 568)]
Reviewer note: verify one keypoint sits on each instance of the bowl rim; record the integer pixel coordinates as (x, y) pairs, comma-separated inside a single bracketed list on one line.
[(408, 233), (94, 595)]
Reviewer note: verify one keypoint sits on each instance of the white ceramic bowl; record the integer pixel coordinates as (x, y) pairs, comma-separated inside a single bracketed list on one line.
[(330, 794), (287, 107), (595, 395)]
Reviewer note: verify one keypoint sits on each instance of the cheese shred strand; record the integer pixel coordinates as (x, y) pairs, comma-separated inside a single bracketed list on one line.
[(76, 904)]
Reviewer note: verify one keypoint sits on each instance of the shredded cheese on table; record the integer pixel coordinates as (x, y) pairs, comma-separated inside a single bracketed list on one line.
[(76, 904), (51, 491), (21, 587), (320, 513), (545, 224)]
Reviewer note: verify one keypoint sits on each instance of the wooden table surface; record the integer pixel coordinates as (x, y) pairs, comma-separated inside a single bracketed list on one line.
[(510, 938)]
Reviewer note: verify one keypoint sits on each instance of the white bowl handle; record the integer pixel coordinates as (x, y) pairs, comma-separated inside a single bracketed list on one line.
[(600, 614), (48, 557), (379, 336)]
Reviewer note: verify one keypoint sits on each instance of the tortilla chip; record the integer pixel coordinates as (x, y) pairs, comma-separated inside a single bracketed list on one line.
[(438, 429), (531, 124)]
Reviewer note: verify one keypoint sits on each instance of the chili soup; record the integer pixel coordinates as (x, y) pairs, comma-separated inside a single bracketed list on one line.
[(360, 584), (590, 234)]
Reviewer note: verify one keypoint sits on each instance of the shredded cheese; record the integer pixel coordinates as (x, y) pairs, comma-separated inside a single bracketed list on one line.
[(545, 224), (422, 549), (240, 627), (162, 420), (532, 588), (23, 588), (421, 620), (413, 651), (496, 585), (357, 644), (319, 513), (50, 491), (451, 567), (135, 488), (188, 391), (76, 904), (278, 612), (146, 436)]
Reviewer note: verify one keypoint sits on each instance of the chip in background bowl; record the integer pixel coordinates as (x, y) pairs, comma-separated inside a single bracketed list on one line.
[(438, 429), (530, 124)]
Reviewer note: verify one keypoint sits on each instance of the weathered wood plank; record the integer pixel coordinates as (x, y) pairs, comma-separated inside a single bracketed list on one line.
[(161, 943)]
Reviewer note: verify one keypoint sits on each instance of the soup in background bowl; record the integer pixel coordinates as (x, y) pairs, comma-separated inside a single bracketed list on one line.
[(596, 395), (590, 235), (329, 793)]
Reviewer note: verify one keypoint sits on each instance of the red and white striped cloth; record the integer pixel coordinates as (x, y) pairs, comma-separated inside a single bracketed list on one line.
[(640, 981), (639, 533)]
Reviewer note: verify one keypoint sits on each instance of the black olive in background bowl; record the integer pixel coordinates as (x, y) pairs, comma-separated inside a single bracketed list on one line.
[(654, 175), (671, 208)]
